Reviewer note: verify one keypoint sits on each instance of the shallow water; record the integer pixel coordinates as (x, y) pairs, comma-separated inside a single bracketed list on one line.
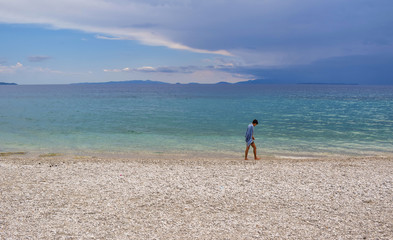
[(201, 119)]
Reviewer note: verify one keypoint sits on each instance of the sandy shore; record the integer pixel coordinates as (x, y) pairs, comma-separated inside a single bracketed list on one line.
[(74, 197)]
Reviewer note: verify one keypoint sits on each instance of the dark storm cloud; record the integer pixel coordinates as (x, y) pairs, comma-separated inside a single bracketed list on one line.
[(376, 69)]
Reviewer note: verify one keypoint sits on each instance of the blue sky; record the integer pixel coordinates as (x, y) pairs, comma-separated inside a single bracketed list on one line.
[(206, 41)]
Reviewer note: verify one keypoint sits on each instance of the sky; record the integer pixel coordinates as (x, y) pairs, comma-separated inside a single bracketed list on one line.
[(204, 41)]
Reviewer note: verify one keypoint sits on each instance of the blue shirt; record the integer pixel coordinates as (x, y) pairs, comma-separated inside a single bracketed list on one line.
[(249, 133)]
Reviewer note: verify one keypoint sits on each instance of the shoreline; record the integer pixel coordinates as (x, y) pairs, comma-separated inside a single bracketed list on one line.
[(194, 155)]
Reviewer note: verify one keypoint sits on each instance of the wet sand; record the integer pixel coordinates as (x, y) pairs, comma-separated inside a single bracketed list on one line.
[(52, 196)]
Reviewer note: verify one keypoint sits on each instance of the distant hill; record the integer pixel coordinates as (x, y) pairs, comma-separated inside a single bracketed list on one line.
[(4, 83), (249, 82), (257, 81), (328, 83)]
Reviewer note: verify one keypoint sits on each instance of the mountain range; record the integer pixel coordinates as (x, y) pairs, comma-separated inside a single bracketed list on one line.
[(255, 81)]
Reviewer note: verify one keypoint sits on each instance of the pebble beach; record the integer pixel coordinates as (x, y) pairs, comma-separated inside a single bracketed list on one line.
[(54, 196)]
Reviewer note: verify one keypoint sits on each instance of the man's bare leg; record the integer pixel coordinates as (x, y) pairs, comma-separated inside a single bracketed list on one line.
[(255, 151), (246, 153)]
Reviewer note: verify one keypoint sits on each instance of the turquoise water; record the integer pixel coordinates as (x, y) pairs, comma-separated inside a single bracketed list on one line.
[(198, 119)]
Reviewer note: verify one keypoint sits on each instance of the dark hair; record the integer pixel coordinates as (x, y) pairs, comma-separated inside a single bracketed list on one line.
[(255, 121)]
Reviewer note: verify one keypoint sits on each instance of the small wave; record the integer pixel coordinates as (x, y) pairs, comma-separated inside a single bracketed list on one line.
[(295, 157)]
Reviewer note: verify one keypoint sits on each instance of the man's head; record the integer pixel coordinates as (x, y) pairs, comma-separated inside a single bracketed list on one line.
[(255, 122)]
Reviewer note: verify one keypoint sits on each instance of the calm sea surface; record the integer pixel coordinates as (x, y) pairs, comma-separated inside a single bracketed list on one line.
[(198, 119)]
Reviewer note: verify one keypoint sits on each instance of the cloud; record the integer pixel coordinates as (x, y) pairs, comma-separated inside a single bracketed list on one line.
[(11, 69), (213, 64), (19, 68), (268, 32), (99, 16), (38, 58), (110, 38), (357, 69), (149, 69), (202, 74), (175, 69)]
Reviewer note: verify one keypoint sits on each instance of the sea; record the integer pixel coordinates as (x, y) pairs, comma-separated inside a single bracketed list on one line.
[(197, 119)]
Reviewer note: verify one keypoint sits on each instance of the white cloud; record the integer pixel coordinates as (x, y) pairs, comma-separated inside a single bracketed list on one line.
[(120, 20), (149, 69), (113, 70), (185, 74), (19, 67), (11, 69), (146, 69), (109, 38)]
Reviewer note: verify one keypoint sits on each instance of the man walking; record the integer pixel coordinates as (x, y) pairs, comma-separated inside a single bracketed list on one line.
[(250, 140)]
